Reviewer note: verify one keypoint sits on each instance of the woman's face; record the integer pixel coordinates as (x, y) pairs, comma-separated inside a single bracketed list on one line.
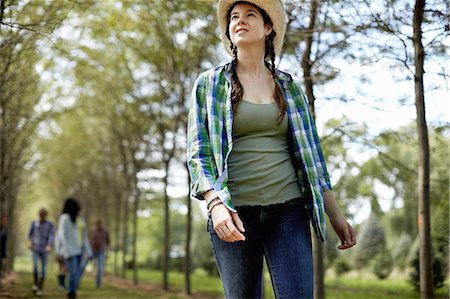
[(247, 26)]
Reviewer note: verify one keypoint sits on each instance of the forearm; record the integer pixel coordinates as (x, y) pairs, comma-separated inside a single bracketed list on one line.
[(331, 207)]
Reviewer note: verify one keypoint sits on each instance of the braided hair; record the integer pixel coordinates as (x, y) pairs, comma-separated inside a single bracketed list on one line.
[(237, 91)]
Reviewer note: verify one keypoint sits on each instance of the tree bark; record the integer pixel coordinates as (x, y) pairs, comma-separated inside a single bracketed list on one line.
[(137, 195), (187, 248), (166, 249), (117, 232), (319, 271), (425, 252)]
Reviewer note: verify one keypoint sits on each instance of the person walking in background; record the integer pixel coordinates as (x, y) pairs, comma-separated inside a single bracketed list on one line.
[(99, 239), (41, 238), (3, 239), (254, 155), (73, 243)]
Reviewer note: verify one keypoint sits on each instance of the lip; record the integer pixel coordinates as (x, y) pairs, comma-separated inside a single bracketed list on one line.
[(241, 30)]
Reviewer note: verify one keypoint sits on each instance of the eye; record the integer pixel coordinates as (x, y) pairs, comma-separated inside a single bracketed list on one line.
[(234, 17), (251, 14)]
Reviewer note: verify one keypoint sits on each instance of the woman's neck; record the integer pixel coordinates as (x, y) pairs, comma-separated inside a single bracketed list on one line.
[(251, 62)]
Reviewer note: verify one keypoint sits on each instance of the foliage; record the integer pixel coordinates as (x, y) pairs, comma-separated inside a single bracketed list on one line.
[(401, 249), (383, 264), (438, 263), (341, 266), (371, 241)]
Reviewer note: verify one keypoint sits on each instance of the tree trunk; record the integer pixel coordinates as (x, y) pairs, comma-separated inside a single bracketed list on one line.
[(117, 232), (319, 271), (166, 249), (306, 59), (135, 232), (187, 248), (425, 256), (125, 238)]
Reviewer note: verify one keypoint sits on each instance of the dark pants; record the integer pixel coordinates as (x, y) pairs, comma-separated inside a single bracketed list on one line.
[(281, 234)]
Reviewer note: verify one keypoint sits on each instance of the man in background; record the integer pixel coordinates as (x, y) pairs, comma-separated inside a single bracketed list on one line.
[(99, 240), (41, 238)]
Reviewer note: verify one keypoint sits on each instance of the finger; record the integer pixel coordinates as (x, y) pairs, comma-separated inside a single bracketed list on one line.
[(225, 233), (236, 234), (353, 235), (347, 236), (238, 222), (351, 240)]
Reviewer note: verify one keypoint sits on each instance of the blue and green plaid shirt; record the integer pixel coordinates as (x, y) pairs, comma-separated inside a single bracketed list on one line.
[(210, 141)]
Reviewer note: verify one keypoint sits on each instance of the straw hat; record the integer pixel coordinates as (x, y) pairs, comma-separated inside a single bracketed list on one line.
[(275, 10)]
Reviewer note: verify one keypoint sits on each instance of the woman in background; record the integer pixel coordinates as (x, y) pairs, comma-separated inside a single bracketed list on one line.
[(73, 243)]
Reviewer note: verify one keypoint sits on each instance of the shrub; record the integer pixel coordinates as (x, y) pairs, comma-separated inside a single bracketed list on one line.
[(371, 241), (341, 266), (401, 249), (439, 267), (383, 264)]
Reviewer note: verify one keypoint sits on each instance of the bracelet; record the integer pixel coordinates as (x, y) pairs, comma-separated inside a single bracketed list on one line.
[(208, 204), (213, 206)]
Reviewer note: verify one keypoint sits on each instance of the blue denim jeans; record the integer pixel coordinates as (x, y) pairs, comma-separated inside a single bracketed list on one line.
[(100, 261), (281, 234), (75, 270), (39, 256)]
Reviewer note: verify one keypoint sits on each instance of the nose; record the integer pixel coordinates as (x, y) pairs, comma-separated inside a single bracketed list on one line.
[(241, 21)]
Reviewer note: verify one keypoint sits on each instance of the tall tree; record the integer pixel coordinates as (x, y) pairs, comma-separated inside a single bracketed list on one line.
[(396, 48), (425, 261), (21, 29)]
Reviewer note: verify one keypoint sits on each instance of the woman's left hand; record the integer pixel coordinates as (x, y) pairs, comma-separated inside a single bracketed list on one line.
[(345, 232)]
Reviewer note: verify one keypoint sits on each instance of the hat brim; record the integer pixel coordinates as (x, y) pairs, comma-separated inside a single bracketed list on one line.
[(275, 10)]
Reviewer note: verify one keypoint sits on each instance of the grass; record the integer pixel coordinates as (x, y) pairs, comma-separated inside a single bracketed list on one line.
[(354, 285)]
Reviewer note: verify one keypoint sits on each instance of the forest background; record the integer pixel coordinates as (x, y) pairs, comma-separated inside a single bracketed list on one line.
[(93, 102)]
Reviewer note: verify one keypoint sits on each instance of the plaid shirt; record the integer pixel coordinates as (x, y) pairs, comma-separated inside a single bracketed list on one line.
[(210, 141), (41, 234)]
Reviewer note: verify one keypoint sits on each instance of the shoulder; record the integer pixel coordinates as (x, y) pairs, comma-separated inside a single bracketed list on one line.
[(64, 218), (284, 76), (213, 75)]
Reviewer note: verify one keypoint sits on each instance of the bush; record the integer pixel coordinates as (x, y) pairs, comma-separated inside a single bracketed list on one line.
[(401, 249), (383, 264), (439, 268), (341, 266), (371, 241)]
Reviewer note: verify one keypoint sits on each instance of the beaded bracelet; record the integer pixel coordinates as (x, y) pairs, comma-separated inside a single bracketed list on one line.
[(208, 204), (213, 206)]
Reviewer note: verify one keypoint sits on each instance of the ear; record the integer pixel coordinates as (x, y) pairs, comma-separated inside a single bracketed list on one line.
[(268, 29)]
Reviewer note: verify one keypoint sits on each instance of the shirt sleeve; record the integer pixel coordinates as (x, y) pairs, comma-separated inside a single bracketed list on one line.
[(317, 151), (30, 231), (63, 229), (51, 235), (199, 154)]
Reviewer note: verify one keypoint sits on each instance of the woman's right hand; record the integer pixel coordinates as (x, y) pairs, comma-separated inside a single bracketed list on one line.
[(228, 225)]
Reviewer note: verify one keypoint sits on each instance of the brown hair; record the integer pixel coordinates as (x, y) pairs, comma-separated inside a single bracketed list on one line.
[(237, 91)]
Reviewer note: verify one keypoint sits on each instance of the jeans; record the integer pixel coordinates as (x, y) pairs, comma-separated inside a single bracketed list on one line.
[(75, 270), (39, 256), (100, 260), (281, 234)]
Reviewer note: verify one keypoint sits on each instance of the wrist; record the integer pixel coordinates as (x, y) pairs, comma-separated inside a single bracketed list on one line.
[(214, 205), (209, 195)]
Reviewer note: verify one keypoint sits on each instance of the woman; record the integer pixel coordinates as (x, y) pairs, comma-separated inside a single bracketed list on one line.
[(255, 157), (73, 244)]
